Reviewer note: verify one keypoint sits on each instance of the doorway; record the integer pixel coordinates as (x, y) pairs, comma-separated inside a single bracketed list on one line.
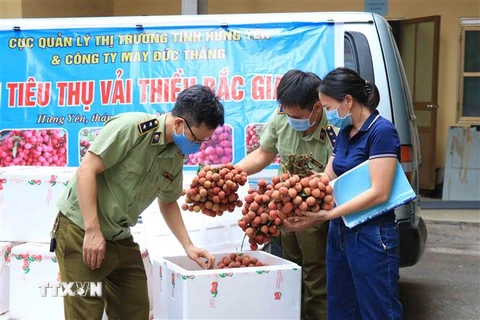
[(418, 42)]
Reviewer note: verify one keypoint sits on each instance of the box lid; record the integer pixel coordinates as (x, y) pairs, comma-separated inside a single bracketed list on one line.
[(37, 174), (185, 266), (30, 249)]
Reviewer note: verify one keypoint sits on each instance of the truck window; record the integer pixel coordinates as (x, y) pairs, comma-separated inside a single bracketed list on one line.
[(357, 55)]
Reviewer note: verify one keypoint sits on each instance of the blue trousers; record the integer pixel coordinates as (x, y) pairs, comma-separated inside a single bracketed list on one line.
[(363, 271)]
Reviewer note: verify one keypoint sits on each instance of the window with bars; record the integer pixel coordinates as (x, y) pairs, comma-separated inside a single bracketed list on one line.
[(469, 78)]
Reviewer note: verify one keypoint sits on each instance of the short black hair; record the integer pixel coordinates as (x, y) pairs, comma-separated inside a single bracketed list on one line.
[(298, 88), (343, 81), (198, 104)]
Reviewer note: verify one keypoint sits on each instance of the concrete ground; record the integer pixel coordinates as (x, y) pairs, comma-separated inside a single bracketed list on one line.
[(445, 283)]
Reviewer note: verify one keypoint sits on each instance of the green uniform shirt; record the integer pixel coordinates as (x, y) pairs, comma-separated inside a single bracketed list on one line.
[(139, 168), (279, 137)]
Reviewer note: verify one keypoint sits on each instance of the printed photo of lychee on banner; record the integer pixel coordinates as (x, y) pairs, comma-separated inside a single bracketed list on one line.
[(217, 150), (252, 139), (33, 147), (86, 137)]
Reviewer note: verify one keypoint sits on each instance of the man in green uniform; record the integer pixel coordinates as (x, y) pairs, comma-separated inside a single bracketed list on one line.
[(136, 158), (299, 127)]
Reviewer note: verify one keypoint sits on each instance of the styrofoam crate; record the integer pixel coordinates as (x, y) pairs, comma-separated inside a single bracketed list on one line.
[(29, 194), (184, 291), (30, 265), (5, 255)]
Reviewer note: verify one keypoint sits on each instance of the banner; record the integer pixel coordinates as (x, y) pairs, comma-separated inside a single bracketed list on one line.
[(58, 87)]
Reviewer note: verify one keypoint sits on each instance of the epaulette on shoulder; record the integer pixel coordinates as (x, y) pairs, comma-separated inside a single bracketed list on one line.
[(147, 126), (332, 135)]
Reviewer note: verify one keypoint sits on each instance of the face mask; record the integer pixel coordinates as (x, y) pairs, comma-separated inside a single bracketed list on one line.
[(334, 118), (300, 124), (186, 146)]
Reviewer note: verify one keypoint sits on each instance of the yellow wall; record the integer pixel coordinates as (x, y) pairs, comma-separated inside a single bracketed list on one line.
[(66, 8), (146, 7), (450, 11), (10, 9)]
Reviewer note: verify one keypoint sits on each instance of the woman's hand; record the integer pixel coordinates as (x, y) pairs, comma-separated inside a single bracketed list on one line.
[(319, 174), (320, 216), (297, 224)]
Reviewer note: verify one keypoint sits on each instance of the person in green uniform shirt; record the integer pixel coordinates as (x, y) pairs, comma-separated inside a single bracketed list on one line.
[(136, 158), (299, 127)]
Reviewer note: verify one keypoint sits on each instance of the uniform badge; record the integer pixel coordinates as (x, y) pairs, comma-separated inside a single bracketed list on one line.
[(156, 138), (323, 135), (168, 175), (147, 126), (332, 136), (316, 163)]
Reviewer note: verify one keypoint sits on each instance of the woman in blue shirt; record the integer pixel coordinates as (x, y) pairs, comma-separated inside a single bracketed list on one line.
[(362, 262)]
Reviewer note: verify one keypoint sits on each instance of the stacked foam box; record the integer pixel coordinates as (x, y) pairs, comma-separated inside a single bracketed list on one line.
[(30, 265), (5, 255), (28, 198), (27, 213), (184, 291)]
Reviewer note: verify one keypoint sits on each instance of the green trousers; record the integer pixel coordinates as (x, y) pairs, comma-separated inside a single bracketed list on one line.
[(308, 249), (122, 274)]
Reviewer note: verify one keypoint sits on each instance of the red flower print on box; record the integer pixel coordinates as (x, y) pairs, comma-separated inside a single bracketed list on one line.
[(214, 289), (53, 180), (34, 182), (6, 255), (28, 259)]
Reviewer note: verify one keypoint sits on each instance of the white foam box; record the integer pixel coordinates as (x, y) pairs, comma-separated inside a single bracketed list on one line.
[(30, 265), (28, 199), (185, 291), (5, 255), (211, 233)]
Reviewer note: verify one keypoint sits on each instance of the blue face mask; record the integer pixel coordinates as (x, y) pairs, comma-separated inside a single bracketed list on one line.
[(300, 124), (186, 146), (334, 118)]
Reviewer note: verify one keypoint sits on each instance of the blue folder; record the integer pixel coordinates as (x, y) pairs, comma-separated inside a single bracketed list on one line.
[(357, 180)]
